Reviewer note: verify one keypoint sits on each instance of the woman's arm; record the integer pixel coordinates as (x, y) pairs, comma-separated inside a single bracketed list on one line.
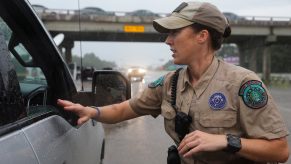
[(108, 114), (275, 150)]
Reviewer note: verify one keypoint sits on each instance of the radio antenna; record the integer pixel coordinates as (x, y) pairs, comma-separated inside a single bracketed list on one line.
[(81, 53)]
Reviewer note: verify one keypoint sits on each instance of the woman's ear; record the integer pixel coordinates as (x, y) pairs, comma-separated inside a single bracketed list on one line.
[(203, 36)]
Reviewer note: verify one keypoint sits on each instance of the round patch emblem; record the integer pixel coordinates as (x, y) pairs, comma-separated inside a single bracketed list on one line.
[(217, 101), (253, 94)]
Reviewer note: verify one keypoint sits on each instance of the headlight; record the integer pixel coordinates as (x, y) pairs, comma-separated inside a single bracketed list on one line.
[(129, 70), (140, 70)]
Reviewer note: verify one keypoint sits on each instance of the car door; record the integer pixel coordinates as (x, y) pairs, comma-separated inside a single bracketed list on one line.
[(15, 148), (54, 140)]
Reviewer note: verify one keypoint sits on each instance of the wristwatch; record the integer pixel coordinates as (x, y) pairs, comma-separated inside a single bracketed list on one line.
[(233, 143)]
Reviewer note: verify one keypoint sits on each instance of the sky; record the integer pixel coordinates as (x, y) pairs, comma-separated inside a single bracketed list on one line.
[(153, 54)]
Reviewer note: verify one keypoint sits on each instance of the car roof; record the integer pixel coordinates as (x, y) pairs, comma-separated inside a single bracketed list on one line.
[(93, 8), (38, 6)]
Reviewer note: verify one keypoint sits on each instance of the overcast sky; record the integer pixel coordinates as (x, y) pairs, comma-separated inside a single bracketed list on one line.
[(155, 53)]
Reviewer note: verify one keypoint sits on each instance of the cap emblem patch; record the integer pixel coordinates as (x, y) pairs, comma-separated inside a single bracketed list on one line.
[(180, 7)]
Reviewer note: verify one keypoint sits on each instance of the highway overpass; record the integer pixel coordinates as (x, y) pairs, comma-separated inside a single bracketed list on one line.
[(248, 33)]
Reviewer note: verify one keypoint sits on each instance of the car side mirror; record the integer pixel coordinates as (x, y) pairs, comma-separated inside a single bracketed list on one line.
[(110, 87)]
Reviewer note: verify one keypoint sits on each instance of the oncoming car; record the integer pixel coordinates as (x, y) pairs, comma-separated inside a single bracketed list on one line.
[(136, 73), (87, 72), (33, 75)]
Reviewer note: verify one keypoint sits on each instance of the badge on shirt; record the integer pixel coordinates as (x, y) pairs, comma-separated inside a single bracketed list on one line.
[(253, 94), (217, 101), (156, 83)]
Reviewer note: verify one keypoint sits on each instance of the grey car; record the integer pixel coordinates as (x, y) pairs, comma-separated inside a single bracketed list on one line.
[(233, 17), (143, 12), (95, 11), (39, 8), (33, 75)]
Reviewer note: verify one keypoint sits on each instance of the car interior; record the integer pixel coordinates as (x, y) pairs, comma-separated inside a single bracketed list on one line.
[(11, 104), (21, 84)]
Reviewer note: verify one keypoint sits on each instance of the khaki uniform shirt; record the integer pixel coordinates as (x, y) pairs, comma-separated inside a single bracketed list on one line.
[(221, 102)]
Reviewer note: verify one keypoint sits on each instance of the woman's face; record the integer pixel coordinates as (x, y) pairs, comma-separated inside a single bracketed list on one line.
[(183, 44)]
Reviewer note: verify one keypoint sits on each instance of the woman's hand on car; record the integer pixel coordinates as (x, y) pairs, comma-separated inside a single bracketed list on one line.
[(84, 113)]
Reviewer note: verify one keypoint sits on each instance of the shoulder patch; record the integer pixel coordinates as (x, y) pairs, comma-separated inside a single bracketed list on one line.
[(156, 83), (253, 94)]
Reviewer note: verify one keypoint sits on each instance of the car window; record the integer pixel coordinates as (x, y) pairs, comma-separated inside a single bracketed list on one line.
[(32, 82), (32, 75)]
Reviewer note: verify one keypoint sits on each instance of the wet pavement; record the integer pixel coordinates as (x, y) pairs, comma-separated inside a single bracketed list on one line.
[(282, 97), (141, 140)]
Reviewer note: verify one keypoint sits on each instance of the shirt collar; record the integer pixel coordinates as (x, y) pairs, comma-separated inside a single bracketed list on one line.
[(204, 80)]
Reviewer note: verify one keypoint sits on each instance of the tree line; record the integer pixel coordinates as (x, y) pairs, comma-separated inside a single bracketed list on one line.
[(91, 60)]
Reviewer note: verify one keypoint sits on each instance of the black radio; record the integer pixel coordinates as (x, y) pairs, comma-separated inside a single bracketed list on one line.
[(182, 122), (173, 156)]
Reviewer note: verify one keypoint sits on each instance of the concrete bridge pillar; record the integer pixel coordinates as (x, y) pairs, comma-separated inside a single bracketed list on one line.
[(266, 65), (253, 60), (244, 54), (68, 45), (267, 58), (241, 52), (249, 51)]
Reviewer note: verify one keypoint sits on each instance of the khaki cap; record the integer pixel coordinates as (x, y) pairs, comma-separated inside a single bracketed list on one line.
[(192, 12)]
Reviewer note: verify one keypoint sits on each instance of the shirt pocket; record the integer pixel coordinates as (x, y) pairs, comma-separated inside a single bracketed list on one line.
[(168, 112), (217, 122)]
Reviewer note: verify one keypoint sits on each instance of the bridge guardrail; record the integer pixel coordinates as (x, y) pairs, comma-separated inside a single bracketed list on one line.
[(73, 15)]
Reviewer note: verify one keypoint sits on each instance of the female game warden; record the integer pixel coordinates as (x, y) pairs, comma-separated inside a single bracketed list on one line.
[(214, 111)]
